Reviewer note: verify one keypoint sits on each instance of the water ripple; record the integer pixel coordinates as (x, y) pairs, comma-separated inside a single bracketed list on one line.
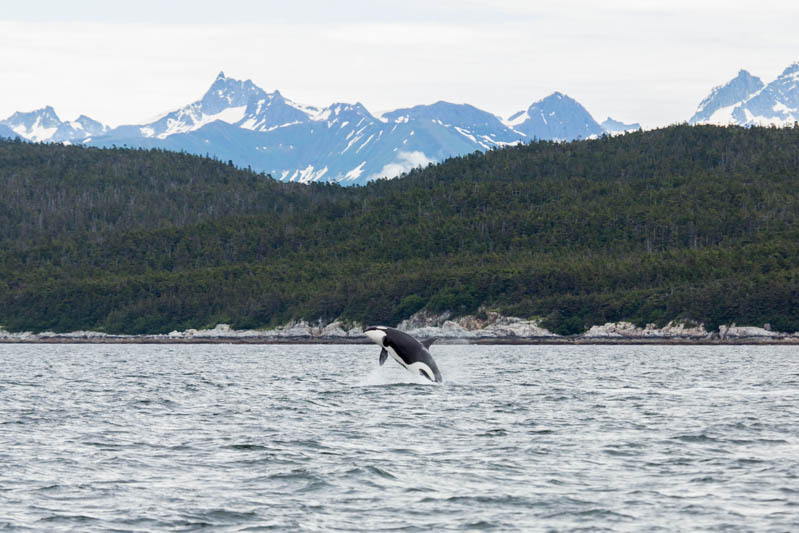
[(320, 438)]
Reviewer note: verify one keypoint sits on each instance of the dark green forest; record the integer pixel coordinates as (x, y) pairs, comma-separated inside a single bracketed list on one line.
[(695, 223)]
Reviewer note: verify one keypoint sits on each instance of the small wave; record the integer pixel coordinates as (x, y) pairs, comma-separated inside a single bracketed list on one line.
[(380, 472), (499, 432), (707, 479), (592, 514), (701, 438), (746, 461), (222, 515), (49, 487), (246, 447), (296, 474), (78, 518), (619, 452), (418, 489), (369, 471), (540, 431), (483, 525), (319, 485), (500, 500), (107, 446)]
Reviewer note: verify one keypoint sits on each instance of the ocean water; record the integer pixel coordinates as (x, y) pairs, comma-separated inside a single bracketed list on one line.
[(320, 438)]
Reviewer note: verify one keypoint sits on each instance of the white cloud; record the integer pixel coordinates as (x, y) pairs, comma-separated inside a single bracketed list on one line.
[(404, 162)]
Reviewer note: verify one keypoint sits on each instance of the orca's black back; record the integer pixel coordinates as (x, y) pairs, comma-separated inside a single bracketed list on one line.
[(410, 349), (406, 346)]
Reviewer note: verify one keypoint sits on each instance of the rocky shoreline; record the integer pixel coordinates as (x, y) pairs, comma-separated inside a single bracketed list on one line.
[(488, 328), (577, 340)]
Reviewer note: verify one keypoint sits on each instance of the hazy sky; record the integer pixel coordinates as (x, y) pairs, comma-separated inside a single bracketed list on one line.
[(643, 61)]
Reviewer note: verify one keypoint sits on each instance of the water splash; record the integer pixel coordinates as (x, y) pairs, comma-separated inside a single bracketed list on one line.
[(386, 375)]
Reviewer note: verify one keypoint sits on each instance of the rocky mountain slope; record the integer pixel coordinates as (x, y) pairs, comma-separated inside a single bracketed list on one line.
[(747, 101), (238, 121)]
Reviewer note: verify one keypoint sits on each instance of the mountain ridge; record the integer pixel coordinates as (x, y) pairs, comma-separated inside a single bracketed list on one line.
[(237, 120), (746, 101)]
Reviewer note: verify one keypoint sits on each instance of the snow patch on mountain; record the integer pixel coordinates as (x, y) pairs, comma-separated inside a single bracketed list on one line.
[(355, 173), (717, 107), (746, 101), (237, 120), (38, 125), (43, 125), (308, 174), (615, 127)]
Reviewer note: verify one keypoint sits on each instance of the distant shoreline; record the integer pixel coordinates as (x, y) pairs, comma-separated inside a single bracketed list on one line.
[(507, 341)]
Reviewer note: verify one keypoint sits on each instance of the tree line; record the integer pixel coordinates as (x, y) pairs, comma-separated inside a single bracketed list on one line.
[(685, 222)]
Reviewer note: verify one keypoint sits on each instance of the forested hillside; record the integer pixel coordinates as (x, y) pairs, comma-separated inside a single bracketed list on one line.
[(697, 223)]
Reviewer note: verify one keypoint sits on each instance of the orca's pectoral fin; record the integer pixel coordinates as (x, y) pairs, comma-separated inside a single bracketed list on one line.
[(383, 356), (425, 374), (428, 342)]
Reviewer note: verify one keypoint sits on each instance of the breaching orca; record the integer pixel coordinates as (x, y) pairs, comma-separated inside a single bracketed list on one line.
[(406, 350)]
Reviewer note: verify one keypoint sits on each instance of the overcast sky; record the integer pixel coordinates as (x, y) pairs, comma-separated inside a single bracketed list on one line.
[(643, 61)]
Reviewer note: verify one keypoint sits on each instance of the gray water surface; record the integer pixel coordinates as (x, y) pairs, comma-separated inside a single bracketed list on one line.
[(293, 438)]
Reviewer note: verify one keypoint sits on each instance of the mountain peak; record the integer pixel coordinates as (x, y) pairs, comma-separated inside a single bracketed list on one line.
[(790, 70), (236, 120), (775, 104), (745, 77), (557, 117), (46, 113), (38, 125), (717, 107), (556, 98), (227, 92)]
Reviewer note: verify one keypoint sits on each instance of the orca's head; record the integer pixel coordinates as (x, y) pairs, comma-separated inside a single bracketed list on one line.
[(377, 334)]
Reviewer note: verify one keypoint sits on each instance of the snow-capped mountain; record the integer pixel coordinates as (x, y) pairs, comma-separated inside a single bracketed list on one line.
[(44, 125), (478, 126), (776, 103), (555, 117), (746, 101), (717, 107), (237, 120), (240, 103), (80, 129), (38, 125), (615, 127)]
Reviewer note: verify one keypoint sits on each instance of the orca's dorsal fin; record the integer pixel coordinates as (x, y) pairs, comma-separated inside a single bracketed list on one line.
[(383, 356), (428, 342)]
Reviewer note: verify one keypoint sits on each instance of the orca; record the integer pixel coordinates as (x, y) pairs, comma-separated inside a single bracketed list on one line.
[(407, 351)]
